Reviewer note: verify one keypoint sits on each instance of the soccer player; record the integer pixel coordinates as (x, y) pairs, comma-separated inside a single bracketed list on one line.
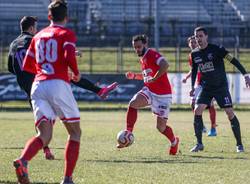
[(192, 44), (156, 92), (209, 59), (17, 51), (49, 56)]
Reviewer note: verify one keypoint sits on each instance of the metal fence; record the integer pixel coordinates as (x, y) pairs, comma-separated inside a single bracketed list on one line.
[(96, 60)]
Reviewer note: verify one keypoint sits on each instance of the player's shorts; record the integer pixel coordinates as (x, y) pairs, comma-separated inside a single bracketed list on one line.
[(160, 104), (221, 95), (54, 98), (197, 91)]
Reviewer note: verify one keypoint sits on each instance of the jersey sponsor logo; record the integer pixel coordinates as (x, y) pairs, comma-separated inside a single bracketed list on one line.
[(197, 60), (147, 72), (210, 56), (206, 67)]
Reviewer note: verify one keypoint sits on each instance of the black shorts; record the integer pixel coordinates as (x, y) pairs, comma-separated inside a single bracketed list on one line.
[(222, 97)]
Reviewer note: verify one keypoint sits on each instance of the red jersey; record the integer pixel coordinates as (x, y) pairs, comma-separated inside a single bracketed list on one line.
[(198, 80), (46, 55), (150, 66)]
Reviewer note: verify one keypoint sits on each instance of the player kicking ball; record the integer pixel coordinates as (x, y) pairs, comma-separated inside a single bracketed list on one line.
[(156, 92)]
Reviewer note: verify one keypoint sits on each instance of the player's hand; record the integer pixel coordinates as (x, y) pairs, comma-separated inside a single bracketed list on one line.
[(184, 80), (130, 75), (247, 81), (76, 78), (78, 53), (70, 74), (191, 93)]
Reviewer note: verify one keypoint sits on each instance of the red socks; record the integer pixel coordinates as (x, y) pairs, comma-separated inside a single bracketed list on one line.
[(212, 115), (71, 156), (168, 132), (31, 148), (131, 118)]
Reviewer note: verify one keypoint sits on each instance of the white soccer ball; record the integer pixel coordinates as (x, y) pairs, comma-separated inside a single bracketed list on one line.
[(125, 138)]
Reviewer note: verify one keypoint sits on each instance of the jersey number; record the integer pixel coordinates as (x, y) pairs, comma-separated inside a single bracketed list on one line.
[(20, 56), (46, 50)]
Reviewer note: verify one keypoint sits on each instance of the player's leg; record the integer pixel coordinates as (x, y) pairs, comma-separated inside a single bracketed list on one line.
[(167, 131), (27, 88), (42, 113), (203, 100), (71, 150), (66, 108), (47, 150), (212, 116), (31, 148), (224, 100), (197, 91), (160, 107), (235, 125), (140, 100), (102, 92)]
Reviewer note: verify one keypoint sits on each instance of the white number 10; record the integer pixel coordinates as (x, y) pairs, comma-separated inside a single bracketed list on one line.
[(46, 50)]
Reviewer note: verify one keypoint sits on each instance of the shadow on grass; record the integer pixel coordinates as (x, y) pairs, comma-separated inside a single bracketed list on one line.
[(215, 157), (159, 161), (13, 148), (11, 182)]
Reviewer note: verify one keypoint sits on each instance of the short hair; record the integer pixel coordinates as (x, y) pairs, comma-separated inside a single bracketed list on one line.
[(58, 10), (143, 38), (26, 22), (201, 29), (190, 38)]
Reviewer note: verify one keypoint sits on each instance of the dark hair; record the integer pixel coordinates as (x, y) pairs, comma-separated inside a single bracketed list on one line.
[(26, 22), (141, 37), (200, 29), (190, 38), (58, 10)]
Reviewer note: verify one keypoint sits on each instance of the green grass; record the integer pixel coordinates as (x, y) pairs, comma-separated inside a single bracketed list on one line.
[(145, 162)]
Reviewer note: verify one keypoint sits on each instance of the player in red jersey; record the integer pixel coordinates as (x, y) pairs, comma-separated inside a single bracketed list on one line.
[(192, 44), (156, 92), (50, 54)]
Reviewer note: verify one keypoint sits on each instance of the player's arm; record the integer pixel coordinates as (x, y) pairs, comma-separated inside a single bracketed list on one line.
[(163, 64), (239, 66), (134, 76), (193, 77), (10, 63), (29, 62), (228, 57), (188, 75), (69, 49)]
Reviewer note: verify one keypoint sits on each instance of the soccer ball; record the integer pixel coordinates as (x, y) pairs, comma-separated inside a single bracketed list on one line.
[(125, 138)]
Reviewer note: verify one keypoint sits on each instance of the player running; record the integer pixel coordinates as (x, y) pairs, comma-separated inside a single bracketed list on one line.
[(17, 51)]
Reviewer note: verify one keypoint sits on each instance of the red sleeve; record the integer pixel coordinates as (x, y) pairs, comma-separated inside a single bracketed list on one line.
[(29, 62), (69, 54), (69, 51), (156, 56)]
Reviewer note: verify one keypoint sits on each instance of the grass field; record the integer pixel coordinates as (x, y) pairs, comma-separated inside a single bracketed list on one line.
[(145, 162)]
